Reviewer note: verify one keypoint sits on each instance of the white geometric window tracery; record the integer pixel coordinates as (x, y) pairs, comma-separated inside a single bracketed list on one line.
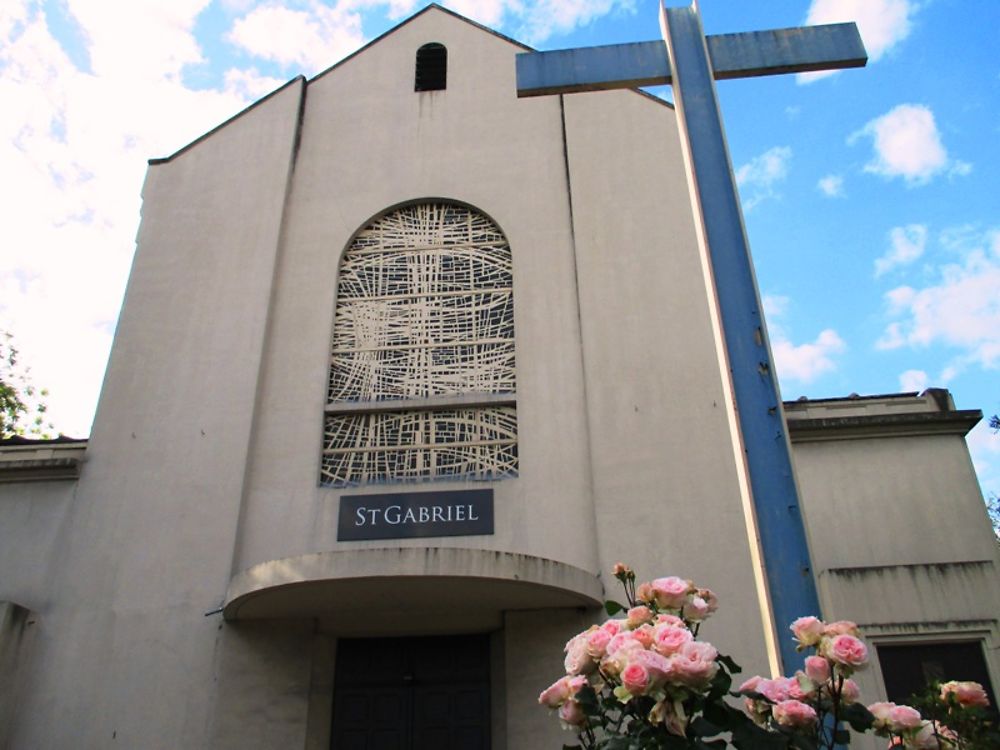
[(422, 365)]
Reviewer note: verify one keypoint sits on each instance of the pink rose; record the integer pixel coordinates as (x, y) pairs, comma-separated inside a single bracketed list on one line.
[(903, 718), (578, 660), (555, 694), (667, 619), (966, 693), (596, 643), (668, 640), (614, 627), (933, 736), (618, 652), (644, 592), (817, 669), (644, 634), (794, 714), (849, 692), (571, 714), (620, 569), (777, 690), (694, 665), (750, 686), (710, 599), (841, 627), (882, 712), (847, 651), (561, 690), (696, 609), (619, 642), (637, 616), (671, 592), (635, 678), (807, 631), (659, 668)]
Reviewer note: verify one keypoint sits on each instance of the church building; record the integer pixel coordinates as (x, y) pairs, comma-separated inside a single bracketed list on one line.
[(405, 365)]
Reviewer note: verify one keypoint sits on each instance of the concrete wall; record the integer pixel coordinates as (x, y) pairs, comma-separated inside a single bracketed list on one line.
[(123, 652)]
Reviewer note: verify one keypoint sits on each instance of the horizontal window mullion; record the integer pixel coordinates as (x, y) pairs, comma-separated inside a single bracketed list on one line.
[(427, 295), (434, 345), (416, 447), (425, 403), (478, 245)]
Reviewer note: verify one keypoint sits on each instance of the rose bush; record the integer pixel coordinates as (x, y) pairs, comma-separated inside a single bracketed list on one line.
[(646, 682)]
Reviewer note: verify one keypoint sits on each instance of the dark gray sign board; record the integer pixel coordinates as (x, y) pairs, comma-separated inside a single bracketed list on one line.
[(408, 515)]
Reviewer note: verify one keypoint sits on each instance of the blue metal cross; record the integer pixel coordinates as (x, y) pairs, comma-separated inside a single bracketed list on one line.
[(691, 62)]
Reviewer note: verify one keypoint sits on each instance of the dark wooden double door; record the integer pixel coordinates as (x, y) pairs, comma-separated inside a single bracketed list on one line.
[(412, 694)]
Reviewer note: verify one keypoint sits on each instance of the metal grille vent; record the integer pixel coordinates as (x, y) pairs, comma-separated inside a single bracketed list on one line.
[(432, 68)]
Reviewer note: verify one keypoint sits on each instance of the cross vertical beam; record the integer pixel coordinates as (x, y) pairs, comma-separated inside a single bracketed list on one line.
[(762, 433)]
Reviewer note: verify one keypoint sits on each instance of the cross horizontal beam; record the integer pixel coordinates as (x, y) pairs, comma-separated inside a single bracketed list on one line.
[(743, 55)]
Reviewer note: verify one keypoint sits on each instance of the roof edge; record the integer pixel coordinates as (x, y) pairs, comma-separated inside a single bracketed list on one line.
[(414, 17), (253, 105)]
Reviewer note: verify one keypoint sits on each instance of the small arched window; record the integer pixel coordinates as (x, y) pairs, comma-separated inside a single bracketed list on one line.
[(432, 68)]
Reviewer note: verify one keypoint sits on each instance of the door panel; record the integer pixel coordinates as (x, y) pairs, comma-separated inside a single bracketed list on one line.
[(412, 694)]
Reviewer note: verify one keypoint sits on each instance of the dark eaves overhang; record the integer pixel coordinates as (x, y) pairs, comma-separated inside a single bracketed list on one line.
[(29, 460), (882, 425)]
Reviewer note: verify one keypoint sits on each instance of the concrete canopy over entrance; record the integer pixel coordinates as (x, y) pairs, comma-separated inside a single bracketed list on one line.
[(431, 589)]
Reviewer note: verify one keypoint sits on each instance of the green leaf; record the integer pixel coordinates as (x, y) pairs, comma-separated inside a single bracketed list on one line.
[(719, 714), (613, 608), (859, 717), (749, 736), (720, 685), (802, 742), (729, 664), (702, 727), (842, 737), (587, 699)]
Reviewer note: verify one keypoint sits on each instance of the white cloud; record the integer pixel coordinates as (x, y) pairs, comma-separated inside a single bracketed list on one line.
[(250, 84), (758, 177), (774, 305), (907, 144), (139, 39), (984, 446), (799, 362), (913, 380), (309, 39), (960, 310), (806, 362), (881, 23), (75, 144), (832, 186), (906, 245), (546, 18)]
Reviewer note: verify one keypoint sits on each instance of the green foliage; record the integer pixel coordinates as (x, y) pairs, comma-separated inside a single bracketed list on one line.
[(976, 727), (993, 508), (22, 406)]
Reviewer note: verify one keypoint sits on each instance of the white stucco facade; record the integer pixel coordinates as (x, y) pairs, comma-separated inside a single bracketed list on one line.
[(177, 580)]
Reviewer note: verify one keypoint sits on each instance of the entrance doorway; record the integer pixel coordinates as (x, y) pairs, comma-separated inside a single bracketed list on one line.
[(412, 694)]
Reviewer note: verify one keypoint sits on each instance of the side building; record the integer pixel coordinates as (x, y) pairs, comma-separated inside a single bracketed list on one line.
[(405, 365)]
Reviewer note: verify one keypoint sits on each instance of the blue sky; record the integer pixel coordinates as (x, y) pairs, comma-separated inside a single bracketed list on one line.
[(871, 196)]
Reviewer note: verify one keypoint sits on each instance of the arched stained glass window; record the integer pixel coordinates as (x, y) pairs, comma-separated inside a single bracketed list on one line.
[(422, 365)]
